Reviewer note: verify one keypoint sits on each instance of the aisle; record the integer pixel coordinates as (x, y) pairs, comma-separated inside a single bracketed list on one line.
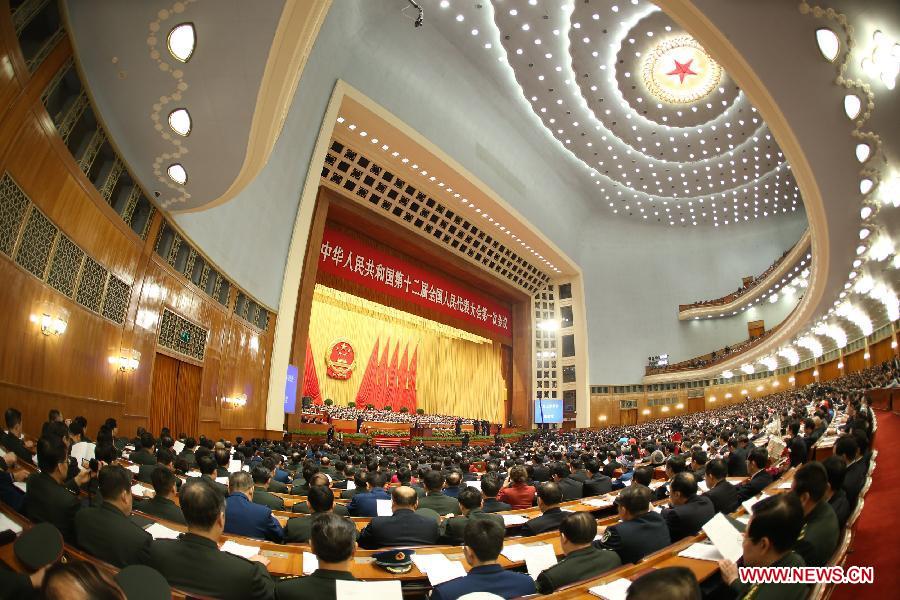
[(875, 542)]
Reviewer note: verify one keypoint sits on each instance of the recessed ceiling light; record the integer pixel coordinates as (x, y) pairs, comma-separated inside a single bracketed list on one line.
[(852, 105), (865, 212), (865, 186), (862, 152), (180, 121), (181, 41), (829, 44), (177, 173)]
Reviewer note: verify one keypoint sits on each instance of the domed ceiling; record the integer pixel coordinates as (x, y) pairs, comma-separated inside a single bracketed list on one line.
[(658, 125)]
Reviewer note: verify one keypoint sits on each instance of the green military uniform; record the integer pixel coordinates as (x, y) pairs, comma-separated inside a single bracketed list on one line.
[(774, 591), (578, 565), (456, 526), (261, 496), (321, 585), (440, 503), (195, 564), (819, 537), (145, 473), (162, 508), (219, 486), (47, 501), (348, 494), (142, 457), (299, 529), (105, 533), (303, 508), (278, 487), (189, 457)]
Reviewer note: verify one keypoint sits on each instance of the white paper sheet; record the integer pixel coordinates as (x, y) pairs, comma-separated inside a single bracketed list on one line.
[(598, 502), (7, 523), (786, 485), (438, 567), (366, 590), (383, 507), (748, 504), (727, 540), (539, 558), (474, 484), (139, 490), (222, 480), (234, 466), (178, 447), (310, 563), (514, 552), (161, 532), (82, 450), (134, 469), (351, 485), (701, 485), (193, 474), (616, 589), (657, 509), (21, 485), (240, 549), (701, 552), (514, 519), (657, 484)]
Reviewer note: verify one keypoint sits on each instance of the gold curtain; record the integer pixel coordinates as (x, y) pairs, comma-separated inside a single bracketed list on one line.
[(457, 372)]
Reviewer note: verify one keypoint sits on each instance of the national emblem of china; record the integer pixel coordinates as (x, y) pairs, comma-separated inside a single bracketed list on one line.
[(341, 358)]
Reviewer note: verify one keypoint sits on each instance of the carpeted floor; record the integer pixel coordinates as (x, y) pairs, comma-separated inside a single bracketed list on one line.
[(876, 541)]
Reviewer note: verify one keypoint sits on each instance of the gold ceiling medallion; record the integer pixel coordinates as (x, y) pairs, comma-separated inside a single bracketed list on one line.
[(679, 71)]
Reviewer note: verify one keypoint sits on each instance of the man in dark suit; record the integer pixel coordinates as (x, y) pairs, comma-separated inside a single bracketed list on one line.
[(454, 484), (333, 541), (275, 486), (261, 495), (640, 532), (106, 531), (193, 563), (723, 494), (144, 454), (820, 534), (318, 480), (737, 459), (483, 543), (11, 439), (596, 483), (403, 528), (674, 465), (435, 499), (857, 470), (47, 498), (540, 472), (582, 560), (321, 502), (549, 498), (759, 477), (244, 517), (835, 494), (471, 506), (799, 451), (162, 504), (366, 504), (187, 453), (490, 487), (571, 488), (359, 486), (689, 511)]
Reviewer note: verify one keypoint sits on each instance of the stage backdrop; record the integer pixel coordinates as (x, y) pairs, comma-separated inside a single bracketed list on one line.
[(417, 362)]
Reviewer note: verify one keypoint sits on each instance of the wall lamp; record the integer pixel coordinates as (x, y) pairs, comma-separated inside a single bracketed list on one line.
[(52, 319), (127, 361), (236, 401)]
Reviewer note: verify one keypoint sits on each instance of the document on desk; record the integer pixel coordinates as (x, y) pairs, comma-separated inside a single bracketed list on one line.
[(22, 486), (514, 520), (7, 523), (234, 466), (134, 469), (141, 492), (514, 552), (383, 508), (539, 558), (351, 485), (366, 590), (727, 540), (310, 563), (178, 447), (701, 485), (598, 502), (240, 549), (616, 589), (748, 504), (161, 532), (438, 567), (475, 484), (786, 485), (701, 551), (222, 480)]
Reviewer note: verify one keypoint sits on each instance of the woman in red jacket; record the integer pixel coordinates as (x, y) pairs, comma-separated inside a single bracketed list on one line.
[(516, 492)]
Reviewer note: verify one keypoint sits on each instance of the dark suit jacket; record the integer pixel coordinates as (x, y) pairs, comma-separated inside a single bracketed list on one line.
[(48, 501), (854, 480), (142, 457), (455, 527), (365, 504), (540, 473), (582, 564), (571, 488), (195, 564), (724, 497), (162, 508), (9, 493), (633, 540), (189, 458), (760, 480), (249, 519), (14, 444), (261, 496), (403, 528), (548, 521), (492, 505), (597, 485), (489, 578), (819, 537), (737, 463), (105, 533), (320, 584), (278, 487), (774, 591), (440, 503), (841, 506), (687, 519), (219, 486), (303, 508), (298, 529), (348, 494), (799, 451)]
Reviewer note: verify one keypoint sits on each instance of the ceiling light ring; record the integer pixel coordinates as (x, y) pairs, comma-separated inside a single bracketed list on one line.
[(176, 53), (182, 131)]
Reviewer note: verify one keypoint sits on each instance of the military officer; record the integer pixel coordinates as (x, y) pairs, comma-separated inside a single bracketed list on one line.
[(582, 560), (819, 537), (640, 532), (471, 504)]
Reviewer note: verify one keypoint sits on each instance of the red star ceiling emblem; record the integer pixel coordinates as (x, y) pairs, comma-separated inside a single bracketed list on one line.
[(682, 70)]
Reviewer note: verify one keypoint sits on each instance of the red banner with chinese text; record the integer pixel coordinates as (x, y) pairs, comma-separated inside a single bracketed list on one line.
[(352, 259)]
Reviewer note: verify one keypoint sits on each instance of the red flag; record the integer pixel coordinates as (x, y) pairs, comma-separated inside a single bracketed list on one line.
[(364, 395), (411, 382), (402, 397), (380, 377), (310, 379), (391, 398)]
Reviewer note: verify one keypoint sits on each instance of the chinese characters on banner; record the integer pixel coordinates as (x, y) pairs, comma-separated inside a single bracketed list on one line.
[(353, 259)]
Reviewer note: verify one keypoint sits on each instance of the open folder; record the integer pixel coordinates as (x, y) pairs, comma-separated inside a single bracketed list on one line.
[(727, 540)]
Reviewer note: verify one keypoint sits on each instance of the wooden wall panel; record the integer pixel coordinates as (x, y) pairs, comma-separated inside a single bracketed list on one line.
[(882, 351), (804, 377), (72, 372), (164, 392), (829, 371), (855, 361)]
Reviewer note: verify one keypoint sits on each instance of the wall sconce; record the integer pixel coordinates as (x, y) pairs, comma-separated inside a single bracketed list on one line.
[(840, 365), (775, 384), (603, 417), (52, 319), (236, 401), (816, 373), (665, 409), (127, 361), (866, 356), (759, 388), (680, 406), (712, 398), (894, 344), (728, 396), (791, 379), (743, 392), (646, 411)]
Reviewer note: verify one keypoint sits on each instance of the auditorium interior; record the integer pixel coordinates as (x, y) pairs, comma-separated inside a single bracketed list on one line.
[(461, 277)]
